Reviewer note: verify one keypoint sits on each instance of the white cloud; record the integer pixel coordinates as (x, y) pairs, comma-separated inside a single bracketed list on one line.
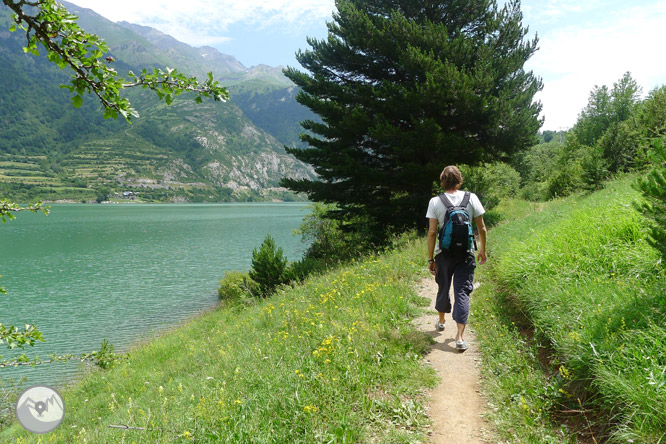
[(573, 59), (200, 22), (582, 43), (551, 10)]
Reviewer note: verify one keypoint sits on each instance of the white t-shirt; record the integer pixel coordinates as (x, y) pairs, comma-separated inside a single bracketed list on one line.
[(437, 210)]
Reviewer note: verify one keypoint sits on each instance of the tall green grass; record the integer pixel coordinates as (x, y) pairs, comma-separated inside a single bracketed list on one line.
[(582, 276), (332, 360)]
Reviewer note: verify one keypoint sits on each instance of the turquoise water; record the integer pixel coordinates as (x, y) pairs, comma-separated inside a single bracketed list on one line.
[(125, 272)]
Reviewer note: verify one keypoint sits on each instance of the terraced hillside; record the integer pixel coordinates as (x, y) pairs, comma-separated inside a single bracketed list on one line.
[(183, 152)]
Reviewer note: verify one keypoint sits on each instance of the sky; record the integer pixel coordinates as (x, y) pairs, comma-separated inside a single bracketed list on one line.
[(582, 43)]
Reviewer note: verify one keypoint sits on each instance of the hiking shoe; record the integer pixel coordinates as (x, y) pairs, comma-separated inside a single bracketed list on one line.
[(440, 325), (461, 345)]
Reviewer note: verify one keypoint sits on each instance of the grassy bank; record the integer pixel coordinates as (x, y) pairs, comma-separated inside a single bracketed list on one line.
[(569, 317), (332, 360), (571, 320)]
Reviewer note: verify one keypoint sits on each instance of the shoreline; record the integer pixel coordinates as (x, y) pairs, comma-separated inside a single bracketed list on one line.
[(126, 273), (74, 202)]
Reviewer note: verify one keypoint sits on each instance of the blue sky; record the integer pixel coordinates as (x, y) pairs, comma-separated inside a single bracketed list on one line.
[(582, 43)]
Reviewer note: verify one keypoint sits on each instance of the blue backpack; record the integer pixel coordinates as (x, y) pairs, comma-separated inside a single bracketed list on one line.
[(456, 236)]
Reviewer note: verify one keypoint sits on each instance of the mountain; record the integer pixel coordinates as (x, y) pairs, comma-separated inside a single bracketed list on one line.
[(264, 94), (208, 152)]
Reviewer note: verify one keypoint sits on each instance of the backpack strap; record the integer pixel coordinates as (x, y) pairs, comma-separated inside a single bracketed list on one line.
[(445, 200), (465, 200), (447, 203)]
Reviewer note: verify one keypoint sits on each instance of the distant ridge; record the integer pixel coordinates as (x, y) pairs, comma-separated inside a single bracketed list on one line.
[(214, 60)]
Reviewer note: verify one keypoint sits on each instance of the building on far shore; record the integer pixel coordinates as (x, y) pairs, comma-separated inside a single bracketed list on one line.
[(131, 195)]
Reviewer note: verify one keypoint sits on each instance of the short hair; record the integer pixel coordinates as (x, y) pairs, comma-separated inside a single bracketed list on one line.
[(451, 177)]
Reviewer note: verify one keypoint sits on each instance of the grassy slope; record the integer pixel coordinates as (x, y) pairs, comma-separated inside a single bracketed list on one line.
[(579, 273), (333, 360)]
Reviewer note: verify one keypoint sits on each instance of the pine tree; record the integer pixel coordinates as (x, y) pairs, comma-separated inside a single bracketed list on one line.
[(403, 88), (653, 187), (269, 266)]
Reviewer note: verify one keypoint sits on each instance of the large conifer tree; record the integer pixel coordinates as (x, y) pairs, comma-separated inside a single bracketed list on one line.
[(404, 87)]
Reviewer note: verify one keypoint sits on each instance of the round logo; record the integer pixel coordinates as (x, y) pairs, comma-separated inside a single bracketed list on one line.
[(40, 409)]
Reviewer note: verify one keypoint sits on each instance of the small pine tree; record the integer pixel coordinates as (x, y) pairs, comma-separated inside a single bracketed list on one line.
[(653, 187), (269, 266)]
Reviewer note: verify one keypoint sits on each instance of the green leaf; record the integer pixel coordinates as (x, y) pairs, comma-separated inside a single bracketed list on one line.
[(110, 113), (77, 101), (12, 28)]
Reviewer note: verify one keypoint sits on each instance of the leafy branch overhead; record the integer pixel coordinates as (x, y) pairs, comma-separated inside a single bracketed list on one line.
[(50, 25)]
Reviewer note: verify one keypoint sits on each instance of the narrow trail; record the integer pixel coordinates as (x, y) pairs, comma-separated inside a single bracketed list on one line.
[(455, 404)]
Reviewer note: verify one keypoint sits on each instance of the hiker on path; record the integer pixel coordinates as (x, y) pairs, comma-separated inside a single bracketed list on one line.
[(455, 263)]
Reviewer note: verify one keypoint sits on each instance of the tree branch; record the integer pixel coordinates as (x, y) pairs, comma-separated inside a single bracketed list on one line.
[(68, 45), (7, 208), (37, 27), (126, 427)]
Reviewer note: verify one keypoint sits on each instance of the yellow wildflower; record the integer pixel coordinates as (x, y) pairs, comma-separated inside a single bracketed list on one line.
[(310, 409)]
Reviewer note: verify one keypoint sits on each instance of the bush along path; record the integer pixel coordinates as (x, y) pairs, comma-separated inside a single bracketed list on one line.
[(456, 406)]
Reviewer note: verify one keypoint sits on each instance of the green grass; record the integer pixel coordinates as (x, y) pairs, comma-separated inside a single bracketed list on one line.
[(16, 165), (580, 277), (332, 360), (569, 318)]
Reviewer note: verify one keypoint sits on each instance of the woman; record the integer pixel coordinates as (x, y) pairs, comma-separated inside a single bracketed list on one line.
[(454, 267)]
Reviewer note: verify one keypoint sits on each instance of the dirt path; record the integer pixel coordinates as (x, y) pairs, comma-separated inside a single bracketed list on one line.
[(455, 404)]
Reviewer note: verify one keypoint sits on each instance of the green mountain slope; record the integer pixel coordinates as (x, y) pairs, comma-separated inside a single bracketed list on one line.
[(185, 151), (275, 111), (264, 94)]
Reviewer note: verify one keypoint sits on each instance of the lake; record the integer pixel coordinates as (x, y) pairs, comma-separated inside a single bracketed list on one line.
[(124, 272)]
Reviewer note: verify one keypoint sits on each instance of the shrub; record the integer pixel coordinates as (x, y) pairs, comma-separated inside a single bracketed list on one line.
[(106, 357), (651, 118), (491, 182), (534, 191), (566, 176), (299, 270), (621, 146), (653, 187), (536, 164), (269, 266), (102, 195), (327, 239), (595, 168), (236, 286)]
